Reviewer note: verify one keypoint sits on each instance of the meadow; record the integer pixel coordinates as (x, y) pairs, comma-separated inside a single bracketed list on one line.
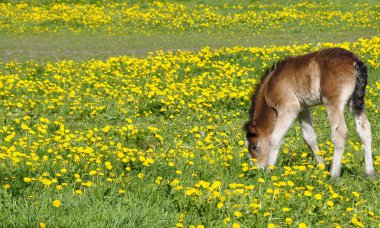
[(151, 136)]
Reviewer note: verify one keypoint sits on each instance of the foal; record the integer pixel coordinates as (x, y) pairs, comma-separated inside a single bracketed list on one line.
[(334, 77)]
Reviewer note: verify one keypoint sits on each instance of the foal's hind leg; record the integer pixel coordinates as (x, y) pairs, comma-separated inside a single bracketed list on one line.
[(309, 135), (363, 128), (339, 131)]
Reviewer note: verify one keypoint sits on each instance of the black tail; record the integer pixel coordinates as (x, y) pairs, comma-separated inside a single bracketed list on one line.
[(358, 104)]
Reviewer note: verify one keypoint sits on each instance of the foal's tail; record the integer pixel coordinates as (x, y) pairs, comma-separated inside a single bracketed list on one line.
[(358, 104)]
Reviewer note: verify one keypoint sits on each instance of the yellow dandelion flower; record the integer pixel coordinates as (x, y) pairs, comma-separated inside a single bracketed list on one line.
[(318, 196), (355, 194), (321, 166), (171, 164), (56, 203), (330, 203), (302, 225), (288, 220), (238, 214), (307, 193), (27, 179)]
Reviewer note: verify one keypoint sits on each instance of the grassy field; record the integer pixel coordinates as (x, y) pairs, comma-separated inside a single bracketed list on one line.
[(130, 115)]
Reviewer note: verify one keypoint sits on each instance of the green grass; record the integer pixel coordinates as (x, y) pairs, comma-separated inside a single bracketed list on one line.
[(191, 126), (86, 46)]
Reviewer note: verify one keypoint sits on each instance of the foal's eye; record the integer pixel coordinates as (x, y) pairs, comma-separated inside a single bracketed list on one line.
[(254, 147)]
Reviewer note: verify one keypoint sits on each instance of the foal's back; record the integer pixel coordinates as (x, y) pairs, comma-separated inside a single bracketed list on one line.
[(325, 76)]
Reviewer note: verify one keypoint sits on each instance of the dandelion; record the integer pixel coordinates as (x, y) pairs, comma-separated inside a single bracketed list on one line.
[(179, 224), (56, 203), (321, 166), (356, 194), (215, 185), (108, 165), (27, 179), (356, 222), (302, 225), (238, 214), (290, 183), (106, 128), (307, 193), (87, 184), (171, 164), (190, 191), (318, 196), (288, 220), (330, 203)]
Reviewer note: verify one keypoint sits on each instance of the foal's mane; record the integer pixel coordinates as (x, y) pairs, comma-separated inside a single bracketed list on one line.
[(276, 66)]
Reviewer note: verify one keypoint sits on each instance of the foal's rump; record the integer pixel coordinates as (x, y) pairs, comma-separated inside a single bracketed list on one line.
[(339, 73)]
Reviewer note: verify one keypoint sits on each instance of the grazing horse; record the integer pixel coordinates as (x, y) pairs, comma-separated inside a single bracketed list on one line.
[(334, 77)]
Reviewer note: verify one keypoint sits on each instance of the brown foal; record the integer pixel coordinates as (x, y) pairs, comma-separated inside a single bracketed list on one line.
[(334, 77)]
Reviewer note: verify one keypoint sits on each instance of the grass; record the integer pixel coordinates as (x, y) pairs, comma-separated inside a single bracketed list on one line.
[(61, 46), (124, 137)]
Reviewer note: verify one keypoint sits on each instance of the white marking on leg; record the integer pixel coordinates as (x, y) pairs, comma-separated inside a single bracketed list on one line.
[(363, 128), (305, 120)]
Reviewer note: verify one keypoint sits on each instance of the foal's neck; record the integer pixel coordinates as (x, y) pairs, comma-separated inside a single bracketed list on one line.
[(265, 116)]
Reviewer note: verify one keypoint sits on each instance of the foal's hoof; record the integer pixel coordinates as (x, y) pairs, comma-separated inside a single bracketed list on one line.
[(335, 177), (371, 175)]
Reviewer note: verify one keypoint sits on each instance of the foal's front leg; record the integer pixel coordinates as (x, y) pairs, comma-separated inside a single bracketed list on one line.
[(284, 121), (306, 122)]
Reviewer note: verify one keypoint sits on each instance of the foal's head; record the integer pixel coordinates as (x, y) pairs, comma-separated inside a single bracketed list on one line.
[(260, 126), (258, 144)]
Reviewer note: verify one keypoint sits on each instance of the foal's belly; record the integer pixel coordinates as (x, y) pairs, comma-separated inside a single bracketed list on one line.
[(311, 100), (309, 96)]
